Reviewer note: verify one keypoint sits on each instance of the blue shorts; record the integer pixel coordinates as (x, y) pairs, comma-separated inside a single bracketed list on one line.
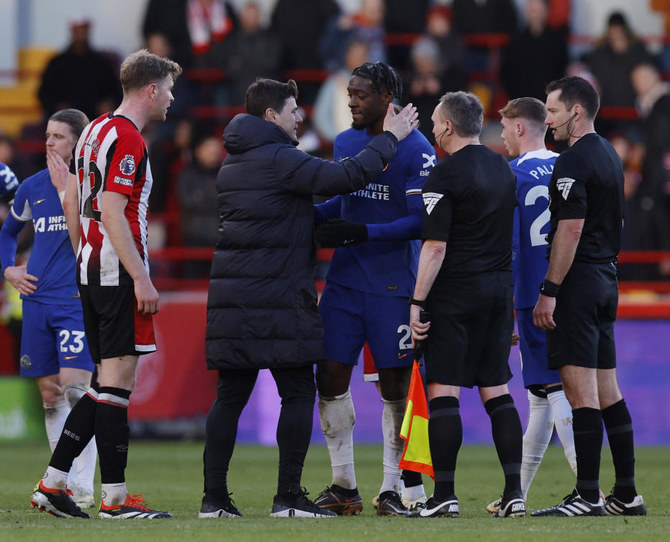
[(53, 337), (533, 347), (350, 318)]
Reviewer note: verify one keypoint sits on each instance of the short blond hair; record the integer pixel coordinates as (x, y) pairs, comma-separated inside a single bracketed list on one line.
[(143, 68), (530, 109)]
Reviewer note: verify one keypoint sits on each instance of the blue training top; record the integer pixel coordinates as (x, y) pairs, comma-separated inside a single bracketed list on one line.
[(531, 224), (391, 206), (52, 259)]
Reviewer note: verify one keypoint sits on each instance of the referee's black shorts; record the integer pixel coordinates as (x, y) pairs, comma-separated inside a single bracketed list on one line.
[(585, 313), (470, 336)]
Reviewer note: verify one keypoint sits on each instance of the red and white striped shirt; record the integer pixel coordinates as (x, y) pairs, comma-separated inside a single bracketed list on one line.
[(110, 156)]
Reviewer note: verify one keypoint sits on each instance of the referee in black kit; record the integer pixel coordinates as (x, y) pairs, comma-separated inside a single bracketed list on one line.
[(578, 299), (465, 281)]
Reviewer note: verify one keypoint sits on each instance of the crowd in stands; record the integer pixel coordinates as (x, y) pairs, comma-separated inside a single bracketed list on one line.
[(488, 47)]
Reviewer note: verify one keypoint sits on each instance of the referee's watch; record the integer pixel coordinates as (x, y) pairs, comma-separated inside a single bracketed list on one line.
[(548, 288), (417, 302)]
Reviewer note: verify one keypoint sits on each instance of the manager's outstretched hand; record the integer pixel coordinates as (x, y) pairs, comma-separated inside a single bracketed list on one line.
[(402, 123)]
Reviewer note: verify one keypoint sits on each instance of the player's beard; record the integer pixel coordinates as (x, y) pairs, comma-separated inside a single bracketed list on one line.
[(364, 125)]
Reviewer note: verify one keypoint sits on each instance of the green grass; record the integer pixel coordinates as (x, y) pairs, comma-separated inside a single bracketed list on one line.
[(169, 474)]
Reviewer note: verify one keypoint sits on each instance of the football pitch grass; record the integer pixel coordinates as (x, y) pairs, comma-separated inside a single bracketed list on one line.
[(169, 475)]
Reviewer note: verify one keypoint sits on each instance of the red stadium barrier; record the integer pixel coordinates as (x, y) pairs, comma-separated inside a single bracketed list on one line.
[(326, 254), (172, 382), (639, 299), (646, 311), (490, 41), (400, 39), (205, 75), (618, 113), (644, 256)]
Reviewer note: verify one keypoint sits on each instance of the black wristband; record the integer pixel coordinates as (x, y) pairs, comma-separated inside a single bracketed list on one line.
[(416, 302), (548, 288)]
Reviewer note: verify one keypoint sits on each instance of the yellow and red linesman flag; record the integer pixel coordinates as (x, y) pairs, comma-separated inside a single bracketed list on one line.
[(414, 430)]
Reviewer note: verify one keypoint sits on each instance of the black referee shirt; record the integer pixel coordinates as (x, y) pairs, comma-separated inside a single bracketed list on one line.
[(468, 201), (587, 183)]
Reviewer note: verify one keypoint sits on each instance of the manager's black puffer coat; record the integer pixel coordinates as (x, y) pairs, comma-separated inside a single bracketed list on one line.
[(261, 308)]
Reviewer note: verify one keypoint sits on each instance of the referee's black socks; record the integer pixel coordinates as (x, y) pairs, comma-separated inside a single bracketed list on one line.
[(445, 430), (507, 436), (619, 427), (587, 424)]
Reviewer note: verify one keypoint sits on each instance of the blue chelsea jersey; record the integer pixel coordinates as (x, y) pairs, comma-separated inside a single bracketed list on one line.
[(391, 205), (52, 259), (531, 224), (8, 183)]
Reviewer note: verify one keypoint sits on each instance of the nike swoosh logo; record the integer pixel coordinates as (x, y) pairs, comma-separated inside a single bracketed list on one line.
[(39, 201), (70, 357)]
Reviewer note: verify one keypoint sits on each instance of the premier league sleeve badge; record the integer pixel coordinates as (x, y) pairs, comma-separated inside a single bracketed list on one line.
[(127, 164)]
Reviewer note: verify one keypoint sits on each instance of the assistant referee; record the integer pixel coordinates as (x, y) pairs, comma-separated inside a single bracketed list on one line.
[(578, 299), (465, 281)]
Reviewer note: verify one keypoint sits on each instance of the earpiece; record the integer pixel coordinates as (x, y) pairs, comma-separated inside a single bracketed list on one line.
[(569, 120)]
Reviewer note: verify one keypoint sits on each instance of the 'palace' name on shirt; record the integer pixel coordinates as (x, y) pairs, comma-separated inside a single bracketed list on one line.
[(374, 191), (541, 171)]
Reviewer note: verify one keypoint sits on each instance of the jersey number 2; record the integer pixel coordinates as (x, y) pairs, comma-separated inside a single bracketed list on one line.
[(90, 206), (405, 341), (534, 194)]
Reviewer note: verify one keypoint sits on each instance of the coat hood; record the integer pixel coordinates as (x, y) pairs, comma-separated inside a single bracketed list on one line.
[(245, 132)]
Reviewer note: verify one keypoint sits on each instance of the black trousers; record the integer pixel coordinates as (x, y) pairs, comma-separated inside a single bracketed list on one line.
[(296, 388)]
